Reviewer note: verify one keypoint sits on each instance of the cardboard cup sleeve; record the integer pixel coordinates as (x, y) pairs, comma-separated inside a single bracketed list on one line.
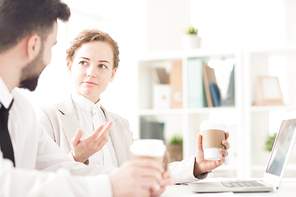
[(212, 138)]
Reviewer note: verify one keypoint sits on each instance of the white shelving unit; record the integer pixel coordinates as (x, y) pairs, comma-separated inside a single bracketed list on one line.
[(249, 125), (261, 120)]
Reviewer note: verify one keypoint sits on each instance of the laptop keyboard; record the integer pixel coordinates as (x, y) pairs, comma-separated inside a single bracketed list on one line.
[(239, 184)]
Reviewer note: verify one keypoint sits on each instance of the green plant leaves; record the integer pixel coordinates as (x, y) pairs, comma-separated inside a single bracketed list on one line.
[(192, 30), (269, 142)]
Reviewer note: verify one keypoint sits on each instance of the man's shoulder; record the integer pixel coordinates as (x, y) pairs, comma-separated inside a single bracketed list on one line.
[(20, 100), (17, 94), (22, 107)]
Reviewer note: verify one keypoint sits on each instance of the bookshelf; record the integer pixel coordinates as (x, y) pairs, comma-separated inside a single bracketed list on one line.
[(260, 121), (248, 125)]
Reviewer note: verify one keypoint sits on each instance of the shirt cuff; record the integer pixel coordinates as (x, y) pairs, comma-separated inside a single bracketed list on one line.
[(86, 162), (203, 175)]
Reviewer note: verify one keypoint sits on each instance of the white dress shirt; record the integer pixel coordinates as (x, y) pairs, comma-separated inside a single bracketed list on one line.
[(90, 117), (35, 151)]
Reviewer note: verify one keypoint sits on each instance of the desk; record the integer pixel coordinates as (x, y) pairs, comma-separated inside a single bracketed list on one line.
[(287, 189)]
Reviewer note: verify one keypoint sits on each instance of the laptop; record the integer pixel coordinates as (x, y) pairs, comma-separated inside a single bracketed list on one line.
[(273, 174)]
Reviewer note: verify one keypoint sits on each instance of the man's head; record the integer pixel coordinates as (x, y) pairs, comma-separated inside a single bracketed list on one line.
[(35, 21), (31, 71), (20, 18), (91, 35)]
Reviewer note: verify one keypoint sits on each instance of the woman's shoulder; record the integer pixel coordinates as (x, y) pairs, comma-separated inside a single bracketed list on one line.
[(114, 116), (57, 106)]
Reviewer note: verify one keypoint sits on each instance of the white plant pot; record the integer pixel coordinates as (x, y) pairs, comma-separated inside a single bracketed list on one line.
[(191, 41)]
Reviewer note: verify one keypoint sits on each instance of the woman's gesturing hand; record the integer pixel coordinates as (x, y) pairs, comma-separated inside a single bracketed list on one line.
[(83, 149)]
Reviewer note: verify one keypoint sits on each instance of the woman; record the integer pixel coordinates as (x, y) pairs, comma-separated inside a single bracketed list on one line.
[(92, 60)]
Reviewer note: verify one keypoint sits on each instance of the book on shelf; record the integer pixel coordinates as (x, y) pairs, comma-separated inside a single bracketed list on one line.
[(230, 97), (215, 94), (196, 90), (208, 78), (175, 79)]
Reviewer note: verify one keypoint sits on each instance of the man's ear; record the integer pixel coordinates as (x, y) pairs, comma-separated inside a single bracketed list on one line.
[(113, 75), (33, 46), (69, 67)]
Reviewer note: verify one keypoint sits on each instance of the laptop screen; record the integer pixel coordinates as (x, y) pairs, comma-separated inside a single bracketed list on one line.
[(281, 147)]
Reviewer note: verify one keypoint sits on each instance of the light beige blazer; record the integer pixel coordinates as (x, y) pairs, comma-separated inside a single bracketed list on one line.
[(61, 123)]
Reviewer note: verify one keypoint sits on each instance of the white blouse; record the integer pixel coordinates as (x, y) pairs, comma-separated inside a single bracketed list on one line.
[(90, 117)]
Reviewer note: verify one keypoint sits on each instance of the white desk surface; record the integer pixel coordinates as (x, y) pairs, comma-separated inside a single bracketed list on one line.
[(287, 189)]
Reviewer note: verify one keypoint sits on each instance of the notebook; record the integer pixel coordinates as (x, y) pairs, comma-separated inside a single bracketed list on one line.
[(273, 174)]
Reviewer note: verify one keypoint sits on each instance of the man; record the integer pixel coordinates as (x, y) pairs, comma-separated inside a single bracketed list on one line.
[(31, 164)]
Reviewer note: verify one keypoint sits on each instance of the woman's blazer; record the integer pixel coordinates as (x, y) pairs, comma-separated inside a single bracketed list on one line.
[(61, 123)]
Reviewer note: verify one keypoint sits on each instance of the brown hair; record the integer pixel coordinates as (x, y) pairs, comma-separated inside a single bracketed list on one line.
[(90, 35), (20, 18)]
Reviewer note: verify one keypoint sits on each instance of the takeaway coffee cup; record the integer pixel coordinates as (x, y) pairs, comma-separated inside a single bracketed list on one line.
[(150, 149), (213, 133)]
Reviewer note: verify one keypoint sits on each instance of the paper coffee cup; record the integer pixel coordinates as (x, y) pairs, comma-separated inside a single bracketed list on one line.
[(149, 149), (213, 133)]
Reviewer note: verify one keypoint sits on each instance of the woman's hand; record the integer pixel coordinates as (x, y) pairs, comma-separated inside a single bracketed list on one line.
[(201, 165), (83, 149)]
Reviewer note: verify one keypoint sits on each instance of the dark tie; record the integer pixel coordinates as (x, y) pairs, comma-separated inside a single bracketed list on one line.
[(5, 141)]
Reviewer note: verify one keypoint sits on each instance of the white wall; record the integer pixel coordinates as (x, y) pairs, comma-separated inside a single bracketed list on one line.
[(239, 23), (167, 20), (152, 25), (124, 23)]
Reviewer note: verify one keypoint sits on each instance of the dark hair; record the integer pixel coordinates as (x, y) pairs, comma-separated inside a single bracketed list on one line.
[(20, 18), (91, 35)]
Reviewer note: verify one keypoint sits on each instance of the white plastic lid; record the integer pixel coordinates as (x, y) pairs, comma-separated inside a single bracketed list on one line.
[(148, 148), (213, 124)]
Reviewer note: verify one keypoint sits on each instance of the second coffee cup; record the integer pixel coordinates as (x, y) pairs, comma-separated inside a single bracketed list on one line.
[(150, 149), (213, 133)]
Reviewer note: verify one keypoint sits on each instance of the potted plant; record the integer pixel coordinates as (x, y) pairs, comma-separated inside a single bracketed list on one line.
[(269, 142), (175, 148), (191, 39)]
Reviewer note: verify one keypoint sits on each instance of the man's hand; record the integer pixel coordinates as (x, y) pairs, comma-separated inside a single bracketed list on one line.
[(143, 177), (201, 165), (167, 180), (83, 149)]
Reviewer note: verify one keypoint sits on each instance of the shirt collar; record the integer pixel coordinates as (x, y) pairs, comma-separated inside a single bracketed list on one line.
[(5, 96), (85, 103)]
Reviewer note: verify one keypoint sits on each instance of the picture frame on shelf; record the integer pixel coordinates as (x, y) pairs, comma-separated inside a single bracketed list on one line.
[(270, 91)]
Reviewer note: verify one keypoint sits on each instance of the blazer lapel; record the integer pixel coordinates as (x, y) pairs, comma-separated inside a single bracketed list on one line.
[(117, 137), (69, 118)]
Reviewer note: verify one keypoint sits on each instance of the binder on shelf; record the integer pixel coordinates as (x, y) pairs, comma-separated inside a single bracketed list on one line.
[(161, 89), (230, 97), (176, 85), (208, 78), (160, 76), (196, 91), (215, 94), (162, 96)]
